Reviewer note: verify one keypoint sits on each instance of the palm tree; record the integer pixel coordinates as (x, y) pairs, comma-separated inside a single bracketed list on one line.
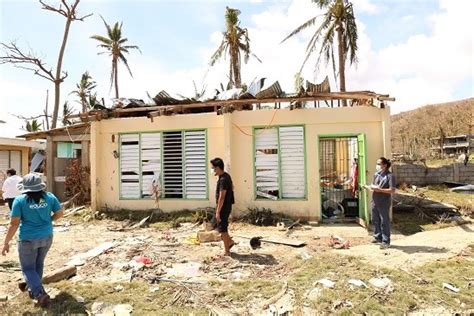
[(114, 44), (234, 42), (33, 126), (67, 111), (84, 90), (338, 26)]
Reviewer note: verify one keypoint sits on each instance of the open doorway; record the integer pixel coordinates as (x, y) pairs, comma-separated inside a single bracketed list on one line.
[(342, 171)]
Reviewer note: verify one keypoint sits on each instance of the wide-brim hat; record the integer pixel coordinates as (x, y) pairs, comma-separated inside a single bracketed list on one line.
[(31, 183)]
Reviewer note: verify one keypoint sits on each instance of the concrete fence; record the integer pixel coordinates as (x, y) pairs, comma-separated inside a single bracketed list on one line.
[(417, 174)]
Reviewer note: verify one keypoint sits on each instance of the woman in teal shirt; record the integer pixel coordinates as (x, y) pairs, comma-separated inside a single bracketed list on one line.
[(34, 212)]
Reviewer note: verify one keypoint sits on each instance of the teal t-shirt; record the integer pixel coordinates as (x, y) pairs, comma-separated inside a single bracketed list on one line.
[(35, 218)]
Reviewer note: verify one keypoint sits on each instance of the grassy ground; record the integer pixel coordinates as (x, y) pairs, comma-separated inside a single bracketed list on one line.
[(412, 222), (436, 163), (419, 289), (441, 193), (407, 295)]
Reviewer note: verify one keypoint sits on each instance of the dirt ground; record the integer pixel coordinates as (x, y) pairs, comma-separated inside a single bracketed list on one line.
[(418, 249), (173, 254), (174, 248)]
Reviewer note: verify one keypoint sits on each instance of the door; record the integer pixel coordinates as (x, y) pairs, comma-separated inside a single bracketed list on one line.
[(364, 213)]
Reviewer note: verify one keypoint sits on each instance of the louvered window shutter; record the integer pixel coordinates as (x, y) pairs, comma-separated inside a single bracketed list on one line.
[(129, 166), (173, 164), (266, 163), (151, 162), (195, 164), (292, 162)]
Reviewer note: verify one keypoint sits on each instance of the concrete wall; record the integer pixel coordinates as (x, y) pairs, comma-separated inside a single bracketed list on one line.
[(417, 174), (230, 137)]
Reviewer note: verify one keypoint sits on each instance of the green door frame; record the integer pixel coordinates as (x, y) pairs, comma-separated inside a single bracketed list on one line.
[(364, 214)]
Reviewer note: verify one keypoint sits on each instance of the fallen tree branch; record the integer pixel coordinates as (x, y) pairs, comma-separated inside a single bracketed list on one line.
[(272, 300), (66, 204)]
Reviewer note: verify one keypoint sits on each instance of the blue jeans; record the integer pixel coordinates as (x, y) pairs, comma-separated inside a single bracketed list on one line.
[(381, 221), (32, 254)]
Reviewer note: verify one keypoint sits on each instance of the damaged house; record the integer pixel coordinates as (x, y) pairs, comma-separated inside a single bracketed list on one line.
[(303, 155)]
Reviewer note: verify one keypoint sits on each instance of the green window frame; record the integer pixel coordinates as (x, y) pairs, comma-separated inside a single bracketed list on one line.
[(280, 163), (176, 159)]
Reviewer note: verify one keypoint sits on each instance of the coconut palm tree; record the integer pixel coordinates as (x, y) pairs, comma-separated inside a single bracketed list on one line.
[(114, 44), (84, 90), (235, 41), (33, 126), (67, 111), (338, 28)]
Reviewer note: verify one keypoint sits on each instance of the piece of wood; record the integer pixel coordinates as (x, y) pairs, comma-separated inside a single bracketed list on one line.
[(60, 274), (81, 258), (272, 300), (179, 281), (72, 138), (293, 225), (141, 223), (73, 211), (279, 241), (70, 201)]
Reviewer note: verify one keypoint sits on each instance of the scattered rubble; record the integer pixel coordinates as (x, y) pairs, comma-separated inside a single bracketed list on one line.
[(451, 287), (383, 283), (326, 283), (337, 242), (357, 282)]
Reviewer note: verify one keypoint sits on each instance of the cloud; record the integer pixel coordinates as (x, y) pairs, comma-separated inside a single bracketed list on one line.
[(426, 68), (365, 6)]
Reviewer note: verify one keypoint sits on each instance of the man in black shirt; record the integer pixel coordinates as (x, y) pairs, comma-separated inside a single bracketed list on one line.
[(224, 201)]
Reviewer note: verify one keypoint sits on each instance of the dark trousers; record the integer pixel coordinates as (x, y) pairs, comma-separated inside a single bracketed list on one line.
[(10, 203), (381, 221)]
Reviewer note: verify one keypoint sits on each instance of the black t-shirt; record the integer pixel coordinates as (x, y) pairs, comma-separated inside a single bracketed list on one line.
[(225, 183)]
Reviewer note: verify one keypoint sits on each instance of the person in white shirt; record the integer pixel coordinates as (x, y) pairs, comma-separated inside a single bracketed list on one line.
[(9, 188)]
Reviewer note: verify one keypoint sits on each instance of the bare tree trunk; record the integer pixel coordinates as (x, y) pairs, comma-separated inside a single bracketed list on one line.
[(58, 80), (116, 78), (46, 110), (342, 60)]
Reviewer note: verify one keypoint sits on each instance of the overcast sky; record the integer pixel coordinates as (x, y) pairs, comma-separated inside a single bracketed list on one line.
[(419, 51)]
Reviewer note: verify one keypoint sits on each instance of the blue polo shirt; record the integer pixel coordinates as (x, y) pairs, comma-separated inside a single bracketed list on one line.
[(384, 180), (35, 218)]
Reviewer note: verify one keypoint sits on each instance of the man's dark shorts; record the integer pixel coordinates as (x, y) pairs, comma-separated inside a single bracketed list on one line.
[(223, 225)]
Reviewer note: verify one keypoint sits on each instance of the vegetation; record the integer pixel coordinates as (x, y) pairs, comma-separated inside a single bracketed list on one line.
[(338, 28), (33, 126), (412, 130), (84, 90), (115, 44), (67, 110), (235, 42)]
